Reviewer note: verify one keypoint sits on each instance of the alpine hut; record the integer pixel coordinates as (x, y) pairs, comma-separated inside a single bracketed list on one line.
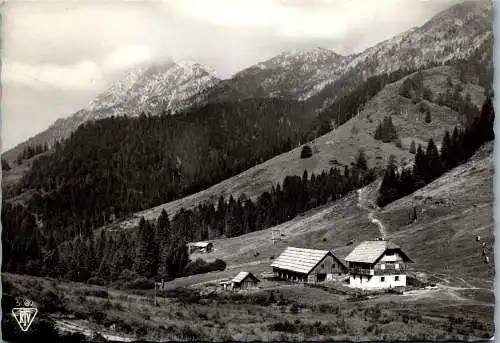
[(377, 264), (307, 265), (244, 280), (201, 247)]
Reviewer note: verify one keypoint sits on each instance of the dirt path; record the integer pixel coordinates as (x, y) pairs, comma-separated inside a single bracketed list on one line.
[(78, 327), (367, 204)]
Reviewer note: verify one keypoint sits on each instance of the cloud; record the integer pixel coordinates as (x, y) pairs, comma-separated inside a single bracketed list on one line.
[(308, 18), (82, 75), (57, 54), (127, 57)]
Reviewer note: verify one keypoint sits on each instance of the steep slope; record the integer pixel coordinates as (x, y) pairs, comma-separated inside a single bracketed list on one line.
[(455, 33), (289, 74), (322, 76), (319, 76), (339, 147), (453, 210), (165, 88)]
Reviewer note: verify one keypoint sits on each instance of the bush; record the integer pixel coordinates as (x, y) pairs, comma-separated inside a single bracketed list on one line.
[(398, 143), (128, 275), (95, 280), (428, 118), (200, 267), (358, 297), (306, 152), (413, 149), (51, 301), (139, 283)]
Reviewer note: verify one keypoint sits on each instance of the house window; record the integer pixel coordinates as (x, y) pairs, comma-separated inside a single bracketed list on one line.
[(382, 278), (396, 278), (322, 265), (382, 266), (396, 266)]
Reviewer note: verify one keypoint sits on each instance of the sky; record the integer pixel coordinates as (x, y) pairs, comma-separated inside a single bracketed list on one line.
[(59, 55)]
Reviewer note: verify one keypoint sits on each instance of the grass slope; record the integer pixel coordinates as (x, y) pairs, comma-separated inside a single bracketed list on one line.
[(451, 212), (442, 244), (340, 146)]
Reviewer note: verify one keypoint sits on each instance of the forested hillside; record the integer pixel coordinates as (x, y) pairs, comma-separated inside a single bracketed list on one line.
[(431, 163), (158, 249), (113, 167)]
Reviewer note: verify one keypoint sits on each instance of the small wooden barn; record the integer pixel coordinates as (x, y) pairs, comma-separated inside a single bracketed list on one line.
[(244, 280), (201, 247), (307, 265)]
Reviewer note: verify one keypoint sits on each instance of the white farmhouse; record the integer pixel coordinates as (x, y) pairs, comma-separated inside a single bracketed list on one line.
[(377, 264)]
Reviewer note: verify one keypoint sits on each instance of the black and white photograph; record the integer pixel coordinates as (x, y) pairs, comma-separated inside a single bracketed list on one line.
[(247, 170)]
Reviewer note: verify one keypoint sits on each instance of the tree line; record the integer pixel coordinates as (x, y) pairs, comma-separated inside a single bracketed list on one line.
[(112, 167), (30, 151), (429, 164), (159, 249)]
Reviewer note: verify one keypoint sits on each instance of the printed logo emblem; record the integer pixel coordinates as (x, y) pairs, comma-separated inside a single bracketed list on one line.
[(24, 315)]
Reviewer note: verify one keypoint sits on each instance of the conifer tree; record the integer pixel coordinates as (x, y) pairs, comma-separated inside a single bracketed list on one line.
[(361, 163), (378, 132), (446, 151), (428, 118), (412, 149)]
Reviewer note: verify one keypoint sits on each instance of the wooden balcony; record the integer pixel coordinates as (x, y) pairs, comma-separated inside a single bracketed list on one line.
[(377, 271), (361, 271), (390, 271)]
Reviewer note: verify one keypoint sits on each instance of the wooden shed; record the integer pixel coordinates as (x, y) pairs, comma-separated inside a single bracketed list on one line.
[(201, 247), (244, 280), (307, 265)]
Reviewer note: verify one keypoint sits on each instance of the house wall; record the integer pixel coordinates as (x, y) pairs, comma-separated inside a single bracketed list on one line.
[(375, 282), (329, 266), (390, 263), (248, 284)]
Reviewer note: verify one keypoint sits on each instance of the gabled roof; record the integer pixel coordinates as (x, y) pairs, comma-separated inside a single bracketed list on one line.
[(200, 244), (371, 251), (242, 276), (299, 260)]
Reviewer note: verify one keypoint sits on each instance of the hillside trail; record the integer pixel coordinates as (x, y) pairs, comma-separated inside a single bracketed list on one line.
[(367, 204)]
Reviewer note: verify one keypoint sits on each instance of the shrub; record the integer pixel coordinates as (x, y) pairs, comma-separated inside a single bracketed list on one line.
[(51, 301), (200, 267), (95, 280), (428, 118), (306, 152), (398, 143), (98, 316), (413, 149), (128, 275), (139, 283), (358, 297)]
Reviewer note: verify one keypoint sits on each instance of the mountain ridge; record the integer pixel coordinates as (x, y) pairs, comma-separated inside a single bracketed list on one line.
[(318, 75)]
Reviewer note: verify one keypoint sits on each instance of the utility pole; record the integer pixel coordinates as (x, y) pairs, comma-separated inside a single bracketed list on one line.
[(154, 296)]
